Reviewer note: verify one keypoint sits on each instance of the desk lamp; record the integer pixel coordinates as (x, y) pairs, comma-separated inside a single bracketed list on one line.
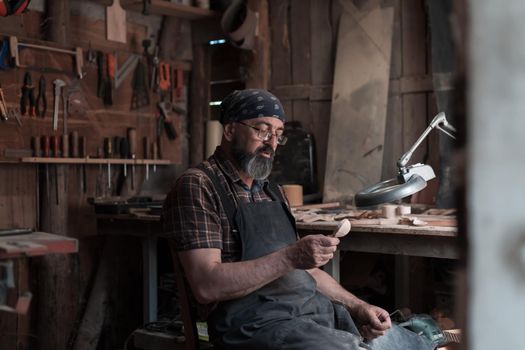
[(410, 178)]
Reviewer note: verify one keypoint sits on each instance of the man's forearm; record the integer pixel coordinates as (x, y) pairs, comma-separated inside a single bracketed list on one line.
[(333, 290), (219, 281)]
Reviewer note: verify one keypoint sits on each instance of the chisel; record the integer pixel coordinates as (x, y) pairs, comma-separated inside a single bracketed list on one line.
[(132, 143), (83, 154)]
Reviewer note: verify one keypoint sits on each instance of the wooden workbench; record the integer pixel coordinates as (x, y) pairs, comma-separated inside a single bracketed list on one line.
[(425, 241), (35, 244)]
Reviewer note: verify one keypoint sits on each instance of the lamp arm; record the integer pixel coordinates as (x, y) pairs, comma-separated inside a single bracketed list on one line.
[(440, 122)]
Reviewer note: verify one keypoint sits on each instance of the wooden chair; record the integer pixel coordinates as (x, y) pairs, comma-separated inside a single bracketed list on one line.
[(188, 312)]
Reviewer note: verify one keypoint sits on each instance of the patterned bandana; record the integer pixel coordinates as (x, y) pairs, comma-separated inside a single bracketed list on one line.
[(249, 104)]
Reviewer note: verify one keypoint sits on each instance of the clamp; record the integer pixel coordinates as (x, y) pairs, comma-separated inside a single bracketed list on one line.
[(41, 101), (27, 101)]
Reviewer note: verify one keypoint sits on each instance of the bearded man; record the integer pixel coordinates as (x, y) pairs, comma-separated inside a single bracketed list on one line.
[(257, 284)]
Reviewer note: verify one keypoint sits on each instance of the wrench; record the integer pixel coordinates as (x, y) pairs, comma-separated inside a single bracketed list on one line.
[(65, 99), (58, 89), (165, 109)]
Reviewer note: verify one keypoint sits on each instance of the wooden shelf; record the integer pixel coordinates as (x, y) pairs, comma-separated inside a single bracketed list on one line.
[(166, 8), (45, 160)]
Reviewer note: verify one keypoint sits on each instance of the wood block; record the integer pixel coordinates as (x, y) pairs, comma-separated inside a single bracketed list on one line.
[(116, 22), (359, 102)]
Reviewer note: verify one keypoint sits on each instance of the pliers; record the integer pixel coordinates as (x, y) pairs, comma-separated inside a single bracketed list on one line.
[(27, 101), (41, 101)]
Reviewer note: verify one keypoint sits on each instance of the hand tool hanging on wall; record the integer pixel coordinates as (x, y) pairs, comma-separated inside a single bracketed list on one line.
[(132, 144), (147, 152), (74, 144), (140, 97), (46, 153), (3, 106), (116, 22), (14, 44), (83, 154), (76, 100), (36, 144), (154, 83), (110, 71), (58, 92), (41, 100), (55, 144), (13, 8), (146, 43), (65, 96), (27, 100), (124, 153), (145, 7), (108, 153), (104, 71), (127, 67), (15, 113), (91, 55), (178, 90), (100, 73), (164, 80), (154, 154), (165, 121), (4, 55)]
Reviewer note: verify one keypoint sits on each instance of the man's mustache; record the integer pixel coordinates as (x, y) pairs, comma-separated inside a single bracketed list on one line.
[(266, 149)]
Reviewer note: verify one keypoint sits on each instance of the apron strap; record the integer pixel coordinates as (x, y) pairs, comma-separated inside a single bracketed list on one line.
[(227, 203), (275, 193), (229, 206)]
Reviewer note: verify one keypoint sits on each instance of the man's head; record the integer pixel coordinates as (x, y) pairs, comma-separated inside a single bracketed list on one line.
[(253, 126)]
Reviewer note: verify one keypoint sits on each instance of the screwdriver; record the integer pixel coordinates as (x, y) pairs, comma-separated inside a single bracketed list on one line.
[(55, 142), (36, 143), (124, 152), (154, 154), (132, 143), (146, 145), (3, 106), (108, 152), (83, 154)]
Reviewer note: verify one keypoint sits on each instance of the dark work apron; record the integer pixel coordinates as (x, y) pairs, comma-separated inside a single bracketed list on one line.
[(288, 312)]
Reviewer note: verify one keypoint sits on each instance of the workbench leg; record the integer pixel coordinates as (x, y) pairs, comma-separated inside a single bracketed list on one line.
[(149, 267), (402, 281), (332, 267)]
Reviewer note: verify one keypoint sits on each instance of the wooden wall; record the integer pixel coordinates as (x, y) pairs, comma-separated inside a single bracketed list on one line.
[(303, 46), (61, 284)]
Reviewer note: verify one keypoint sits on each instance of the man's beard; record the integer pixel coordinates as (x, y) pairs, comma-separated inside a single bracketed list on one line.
[(254, 165)]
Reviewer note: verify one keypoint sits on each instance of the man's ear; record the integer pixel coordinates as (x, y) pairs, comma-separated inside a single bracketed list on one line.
[(229, 130)]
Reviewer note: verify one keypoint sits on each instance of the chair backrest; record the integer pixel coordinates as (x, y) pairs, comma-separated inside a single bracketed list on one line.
[(187, 311)]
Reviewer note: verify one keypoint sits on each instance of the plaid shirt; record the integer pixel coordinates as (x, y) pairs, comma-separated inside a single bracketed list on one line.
[(193, 215)]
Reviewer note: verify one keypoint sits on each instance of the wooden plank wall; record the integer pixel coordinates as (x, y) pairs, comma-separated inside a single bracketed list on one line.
[(60, 284), (303, 46)]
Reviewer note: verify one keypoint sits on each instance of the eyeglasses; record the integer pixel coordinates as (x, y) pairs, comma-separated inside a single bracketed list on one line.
[(266, 135)]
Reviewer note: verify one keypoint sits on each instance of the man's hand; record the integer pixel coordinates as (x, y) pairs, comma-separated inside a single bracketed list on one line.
[(312, 251), (374, 321)]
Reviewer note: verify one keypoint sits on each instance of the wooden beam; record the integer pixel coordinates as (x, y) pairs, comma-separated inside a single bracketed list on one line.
[(200, 99), (259, 64), (404, 85), (411, 84), (58, 17), (304, 92)]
